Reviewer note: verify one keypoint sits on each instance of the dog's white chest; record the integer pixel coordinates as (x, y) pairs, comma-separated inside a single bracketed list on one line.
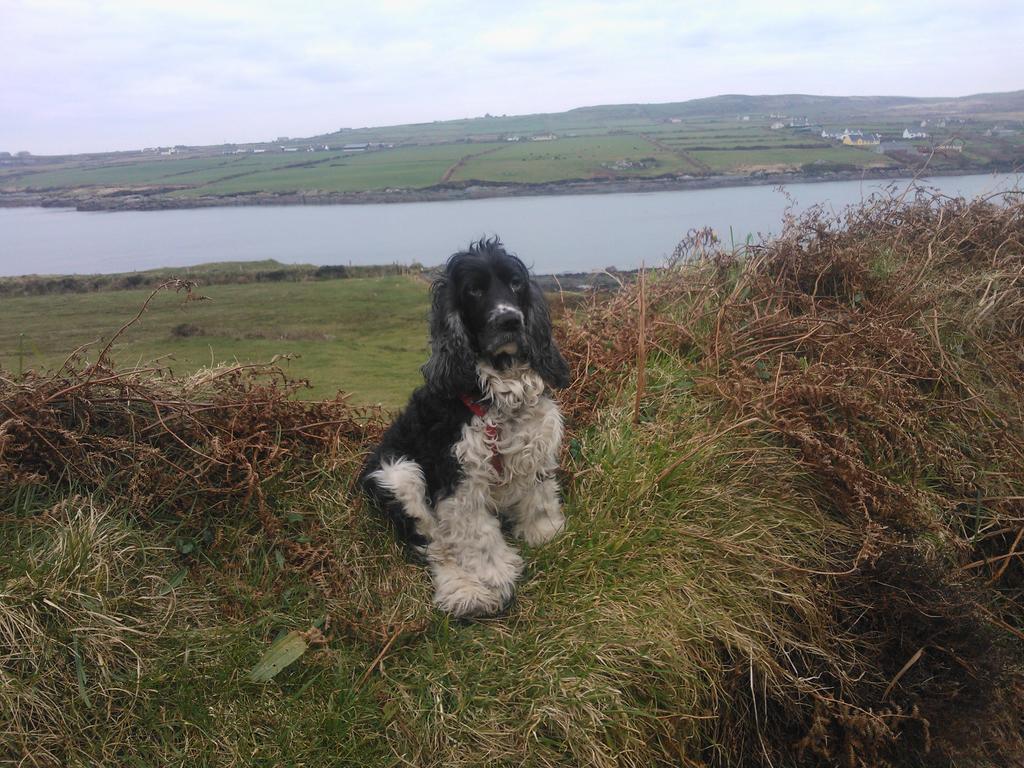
[(517, 440), (506, 446)]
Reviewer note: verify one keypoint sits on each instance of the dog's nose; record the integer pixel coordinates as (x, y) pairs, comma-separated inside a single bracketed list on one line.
[(508, 321)]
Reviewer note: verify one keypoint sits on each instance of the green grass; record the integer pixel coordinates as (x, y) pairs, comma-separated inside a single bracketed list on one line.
[(366, 336), (613, 654), (736, 160), (169, 171), (574, 158), (767, 140), (592, 143), (403, 167)]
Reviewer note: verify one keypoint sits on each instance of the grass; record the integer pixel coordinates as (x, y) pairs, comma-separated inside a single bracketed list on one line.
[(740, 160), (209, 273), (424, 166), (343, 334), (592, 143), (575, 158), (589, 669), (171, 171), (794, 544), (412, 167)]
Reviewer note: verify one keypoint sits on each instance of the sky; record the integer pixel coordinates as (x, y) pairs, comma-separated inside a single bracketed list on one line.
[(124, 74)]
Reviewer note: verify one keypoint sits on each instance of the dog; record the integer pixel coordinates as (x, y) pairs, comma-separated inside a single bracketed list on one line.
[(477, 446)]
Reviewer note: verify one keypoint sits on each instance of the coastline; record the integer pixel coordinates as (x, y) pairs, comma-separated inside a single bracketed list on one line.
[(157, 200)]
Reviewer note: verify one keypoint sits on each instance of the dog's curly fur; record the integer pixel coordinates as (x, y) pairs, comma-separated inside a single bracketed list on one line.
[(478, 443)]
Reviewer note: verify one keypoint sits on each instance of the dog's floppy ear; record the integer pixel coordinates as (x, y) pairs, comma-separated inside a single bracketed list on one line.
[(451, 369), (541, 348)]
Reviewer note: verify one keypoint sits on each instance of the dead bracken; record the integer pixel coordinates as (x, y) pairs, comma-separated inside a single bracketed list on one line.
[(885, 347), (166, 443)]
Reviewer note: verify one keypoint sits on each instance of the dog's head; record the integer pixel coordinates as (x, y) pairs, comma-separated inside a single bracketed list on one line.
[(486, 309)]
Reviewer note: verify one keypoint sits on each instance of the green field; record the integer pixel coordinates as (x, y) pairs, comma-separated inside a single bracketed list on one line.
[(736, 160), (169, 171), (402, 167), (366, 336), (572, 158), (730, 135), (416, 167)]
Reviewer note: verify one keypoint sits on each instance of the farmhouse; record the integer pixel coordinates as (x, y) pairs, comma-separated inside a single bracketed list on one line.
[(857, 139), (355, 147), (544, 137), (909, 134)]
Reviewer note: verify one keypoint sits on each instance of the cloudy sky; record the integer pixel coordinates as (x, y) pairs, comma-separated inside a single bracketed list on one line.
[(122, 74)]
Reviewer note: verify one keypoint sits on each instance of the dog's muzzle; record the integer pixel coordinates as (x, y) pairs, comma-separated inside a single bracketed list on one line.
[(504, 332)]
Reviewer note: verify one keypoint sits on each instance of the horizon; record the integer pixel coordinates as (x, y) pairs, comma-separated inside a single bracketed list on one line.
[(310, 134), (116, 76)]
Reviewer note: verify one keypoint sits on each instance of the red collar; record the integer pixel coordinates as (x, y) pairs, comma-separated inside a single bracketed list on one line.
[(491, 431), (475, 406)]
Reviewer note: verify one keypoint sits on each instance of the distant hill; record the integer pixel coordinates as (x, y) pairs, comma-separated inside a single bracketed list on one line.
[(825, 106), (815, 107)]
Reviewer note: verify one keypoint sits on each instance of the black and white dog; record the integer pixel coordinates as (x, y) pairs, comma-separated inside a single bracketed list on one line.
[(478, 443)]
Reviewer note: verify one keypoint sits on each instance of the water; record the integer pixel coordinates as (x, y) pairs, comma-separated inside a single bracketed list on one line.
[(575, 233)]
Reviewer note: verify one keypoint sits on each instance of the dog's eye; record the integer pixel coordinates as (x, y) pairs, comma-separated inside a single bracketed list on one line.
[(516, 285), (475, 291)]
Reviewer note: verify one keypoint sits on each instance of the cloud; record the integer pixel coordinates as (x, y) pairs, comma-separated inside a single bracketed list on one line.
[(115, 74)]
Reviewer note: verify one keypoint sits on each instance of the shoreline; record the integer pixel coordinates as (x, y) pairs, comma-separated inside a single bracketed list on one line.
[(156, 199)]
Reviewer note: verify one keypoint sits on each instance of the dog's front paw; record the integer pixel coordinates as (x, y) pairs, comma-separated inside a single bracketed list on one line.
[(484, 589), (464, 596), (541, 527)]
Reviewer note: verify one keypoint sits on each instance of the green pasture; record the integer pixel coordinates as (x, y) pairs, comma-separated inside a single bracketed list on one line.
[(171, 171), (414, 167), (592, 142), (545, 161), (366, 336), (734, 160)]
